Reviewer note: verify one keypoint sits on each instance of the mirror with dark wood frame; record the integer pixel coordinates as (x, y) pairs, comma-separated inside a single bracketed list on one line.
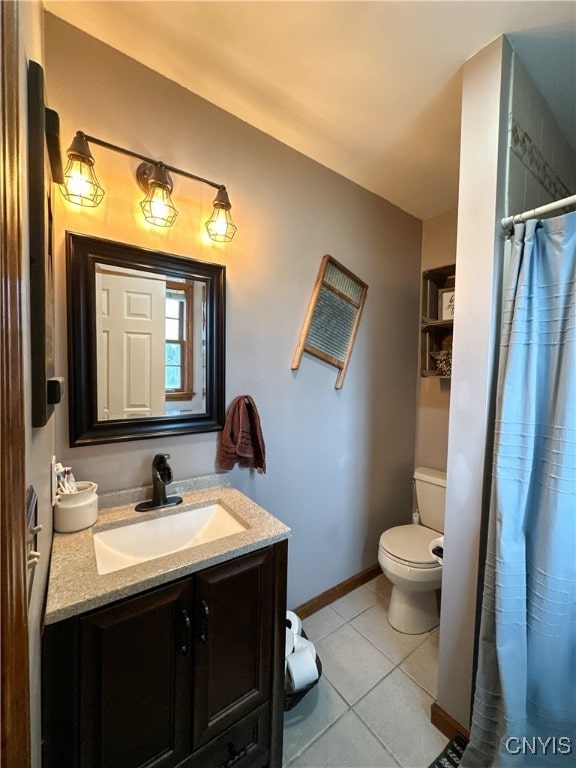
[(146, 337)]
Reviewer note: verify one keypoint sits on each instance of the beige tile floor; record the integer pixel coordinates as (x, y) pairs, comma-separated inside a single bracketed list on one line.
[(371, 708)]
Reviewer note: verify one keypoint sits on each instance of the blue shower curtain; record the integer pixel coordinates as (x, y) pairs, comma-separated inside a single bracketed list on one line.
[(524, 711)]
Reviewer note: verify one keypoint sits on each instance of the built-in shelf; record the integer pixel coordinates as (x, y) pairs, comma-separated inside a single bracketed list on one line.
[(435, 327), (431, 325)]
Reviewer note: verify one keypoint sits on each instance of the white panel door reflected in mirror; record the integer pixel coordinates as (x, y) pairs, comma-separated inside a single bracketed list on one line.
[(150, 344)]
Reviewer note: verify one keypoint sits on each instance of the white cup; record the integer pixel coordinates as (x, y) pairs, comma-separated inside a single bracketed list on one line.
[(76, 511)]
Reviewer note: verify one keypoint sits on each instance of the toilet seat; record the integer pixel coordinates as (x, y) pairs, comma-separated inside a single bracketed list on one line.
[(408, 545)]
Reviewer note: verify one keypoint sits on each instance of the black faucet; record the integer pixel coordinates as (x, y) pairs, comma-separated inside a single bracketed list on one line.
[(161, 477)]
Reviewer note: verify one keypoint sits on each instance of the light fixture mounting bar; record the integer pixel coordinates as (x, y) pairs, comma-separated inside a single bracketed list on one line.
[(149, 160)]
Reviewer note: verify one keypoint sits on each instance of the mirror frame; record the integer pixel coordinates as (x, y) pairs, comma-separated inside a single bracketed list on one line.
[(82, 255)]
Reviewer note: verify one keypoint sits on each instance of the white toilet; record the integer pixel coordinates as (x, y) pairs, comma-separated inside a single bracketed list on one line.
[(405, 559)]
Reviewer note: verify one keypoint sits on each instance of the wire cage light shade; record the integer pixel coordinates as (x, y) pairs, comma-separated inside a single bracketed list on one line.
[(220, 226), (80, 183), (157, 206)]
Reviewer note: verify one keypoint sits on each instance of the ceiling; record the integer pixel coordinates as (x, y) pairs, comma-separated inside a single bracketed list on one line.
[(368, 89)]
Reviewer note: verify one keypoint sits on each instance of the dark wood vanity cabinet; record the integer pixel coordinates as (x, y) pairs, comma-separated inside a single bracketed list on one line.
[(189, 675)]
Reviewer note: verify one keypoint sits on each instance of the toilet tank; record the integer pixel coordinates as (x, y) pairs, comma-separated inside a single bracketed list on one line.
[(431, 497)]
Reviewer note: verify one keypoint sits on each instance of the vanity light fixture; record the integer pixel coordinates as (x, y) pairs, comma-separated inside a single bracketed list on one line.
[(81, 187)]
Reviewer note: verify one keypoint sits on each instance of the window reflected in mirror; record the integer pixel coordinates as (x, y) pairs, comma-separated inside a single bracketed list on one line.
[(185, 363)]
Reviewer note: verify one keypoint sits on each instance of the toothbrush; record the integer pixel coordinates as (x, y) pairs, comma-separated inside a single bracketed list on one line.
[(70, 481)]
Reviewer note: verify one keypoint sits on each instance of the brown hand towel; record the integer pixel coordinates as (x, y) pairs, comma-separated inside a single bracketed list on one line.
[(242, 441)]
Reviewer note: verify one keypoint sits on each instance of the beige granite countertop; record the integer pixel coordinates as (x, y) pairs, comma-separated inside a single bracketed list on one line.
[(74, 585)]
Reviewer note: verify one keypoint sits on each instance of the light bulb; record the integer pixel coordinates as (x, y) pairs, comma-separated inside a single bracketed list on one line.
[(158, 207), (76, 182), (219, 223)]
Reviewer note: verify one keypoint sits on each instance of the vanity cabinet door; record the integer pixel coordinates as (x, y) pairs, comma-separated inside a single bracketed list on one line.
[(234, 638), (136, 681)]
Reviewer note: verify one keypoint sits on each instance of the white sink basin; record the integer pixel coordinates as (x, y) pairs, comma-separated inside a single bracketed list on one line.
[(137, 542)]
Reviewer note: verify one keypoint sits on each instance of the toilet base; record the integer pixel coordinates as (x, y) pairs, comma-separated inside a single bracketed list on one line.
[(413, 612)]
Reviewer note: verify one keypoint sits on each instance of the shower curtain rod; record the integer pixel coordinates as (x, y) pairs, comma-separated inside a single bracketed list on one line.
[(566, 202)]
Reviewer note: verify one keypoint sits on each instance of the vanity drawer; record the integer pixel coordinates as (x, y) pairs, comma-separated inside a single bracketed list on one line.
[(244, 745)]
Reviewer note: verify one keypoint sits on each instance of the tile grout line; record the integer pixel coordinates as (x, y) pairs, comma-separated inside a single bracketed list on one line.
[(383, 652), (379, 739), (328, 728)]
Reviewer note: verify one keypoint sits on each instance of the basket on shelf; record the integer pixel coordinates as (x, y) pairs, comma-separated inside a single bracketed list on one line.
[(443, 360), (291, 698)]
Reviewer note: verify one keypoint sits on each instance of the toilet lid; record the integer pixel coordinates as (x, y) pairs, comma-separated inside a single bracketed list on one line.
[(410, 543)]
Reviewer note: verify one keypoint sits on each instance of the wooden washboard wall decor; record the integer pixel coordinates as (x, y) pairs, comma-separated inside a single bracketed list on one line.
[(332, 318)]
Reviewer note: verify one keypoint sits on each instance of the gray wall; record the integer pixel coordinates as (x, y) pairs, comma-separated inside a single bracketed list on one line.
[(339, 462)]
